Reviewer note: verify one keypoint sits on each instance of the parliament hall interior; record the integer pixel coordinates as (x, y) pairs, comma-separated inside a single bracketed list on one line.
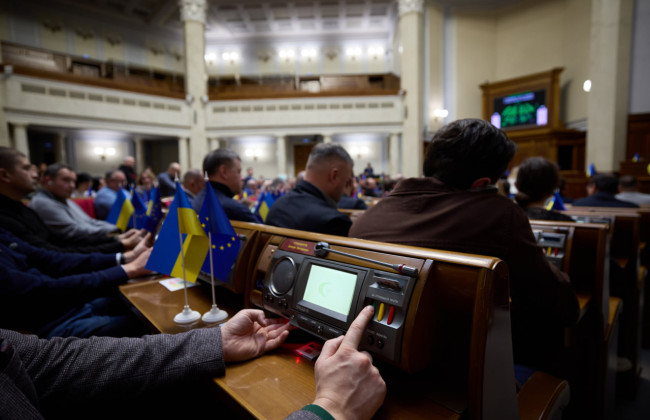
[(325, 209)]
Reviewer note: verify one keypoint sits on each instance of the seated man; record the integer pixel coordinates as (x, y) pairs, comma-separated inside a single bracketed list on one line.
[(53, 205), (115, 179), (628, 191), (18, 179), (56, 294), (602, 189), (456, 208), (67, 377), (311, 205), (223, 167), (167, 180), (349, 200)]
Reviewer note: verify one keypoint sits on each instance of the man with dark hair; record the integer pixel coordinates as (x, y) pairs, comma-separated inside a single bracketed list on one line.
[(115, 179), (128, 167), (53, 205), (602, 189), (457, 208), (628, 191), (312, 204), (223, 167), (17, 179)]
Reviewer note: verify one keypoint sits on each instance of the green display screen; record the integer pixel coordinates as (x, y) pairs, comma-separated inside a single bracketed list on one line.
[(331, 289)]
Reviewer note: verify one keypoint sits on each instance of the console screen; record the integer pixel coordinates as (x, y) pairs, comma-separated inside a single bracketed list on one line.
[(331, 289)]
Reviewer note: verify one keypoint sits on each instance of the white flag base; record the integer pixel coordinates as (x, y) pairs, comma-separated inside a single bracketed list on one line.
[(187, 316), (215, 315)]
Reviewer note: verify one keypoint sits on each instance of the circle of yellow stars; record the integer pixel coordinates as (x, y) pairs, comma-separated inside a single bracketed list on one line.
[(221, 248)]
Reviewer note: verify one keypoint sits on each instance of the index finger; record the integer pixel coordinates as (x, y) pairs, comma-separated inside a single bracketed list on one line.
[(355, 332)]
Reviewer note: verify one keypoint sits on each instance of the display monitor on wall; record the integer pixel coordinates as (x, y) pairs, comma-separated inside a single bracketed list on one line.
[(521, 109)]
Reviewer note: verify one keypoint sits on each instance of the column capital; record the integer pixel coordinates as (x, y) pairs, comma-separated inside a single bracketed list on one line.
[(193, 10), (408, 6)]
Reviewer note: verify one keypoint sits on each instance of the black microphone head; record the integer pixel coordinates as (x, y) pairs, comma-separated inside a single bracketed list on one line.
[(321, 249)]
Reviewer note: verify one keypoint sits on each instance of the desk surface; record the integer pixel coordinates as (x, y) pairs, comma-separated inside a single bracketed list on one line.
[(276, 384)]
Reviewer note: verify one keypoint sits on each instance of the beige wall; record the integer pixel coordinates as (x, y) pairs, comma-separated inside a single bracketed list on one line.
[(434, 40)]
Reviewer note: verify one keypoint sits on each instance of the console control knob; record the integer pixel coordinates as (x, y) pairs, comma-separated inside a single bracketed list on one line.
[(319, 329), (380, 343), (370, 339)]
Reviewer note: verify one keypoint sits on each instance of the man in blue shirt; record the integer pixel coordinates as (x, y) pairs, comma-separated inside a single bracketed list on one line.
[(115, 179)]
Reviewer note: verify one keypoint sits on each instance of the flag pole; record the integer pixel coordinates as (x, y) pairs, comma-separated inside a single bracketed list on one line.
[(214, 314), (187, 315)]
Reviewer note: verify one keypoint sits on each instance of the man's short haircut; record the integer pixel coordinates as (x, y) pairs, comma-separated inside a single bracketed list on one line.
[(53, 170), (325, 151), (537, 179), (83, 177), (8, 157), (465, 150), (605, 183), (218, 157), (192, 174), (627, 181), (109, 174)]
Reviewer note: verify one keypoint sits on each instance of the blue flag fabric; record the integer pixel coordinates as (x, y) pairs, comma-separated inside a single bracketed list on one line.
[(264, 203), (154, 211), (139, 218), (556, 202), (224, 241), (181, 222), (121, 211), (591, 170)]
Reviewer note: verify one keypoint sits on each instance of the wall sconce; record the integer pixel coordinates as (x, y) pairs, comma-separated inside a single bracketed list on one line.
[(440, 113), (264, 56), (85, 33), (353, 52), (331, 54), (253, 153), (287, 54), (586, 86), (210, 58), (359, 151), (52, 25), (376, 52), (102, 153), (308, 54), (230, 56), (156, 49), (205, 99), (189, 99)]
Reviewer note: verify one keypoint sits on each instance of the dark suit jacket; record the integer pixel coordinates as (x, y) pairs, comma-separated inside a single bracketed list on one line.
[(233, 208), (425, 212), (347, 202), (39, 287), (25, 223), (306, 208), (602, 199)]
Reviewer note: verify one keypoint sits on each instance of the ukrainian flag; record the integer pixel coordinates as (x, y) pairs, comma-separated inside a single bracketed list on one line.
[(264, 203), (555, 203), (121, 211), (181, 224), (225, 242)]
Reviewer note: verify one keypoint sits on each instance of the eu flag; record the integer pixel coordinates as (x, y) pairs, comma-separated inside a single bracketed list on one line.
[(154, 211), (121, 210), (139, 217), (224, 241), (181, 222), (264, 203)]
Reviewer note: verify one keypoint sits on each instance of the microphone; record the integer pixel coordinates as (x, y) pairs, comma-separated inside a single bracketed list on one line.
[(323, 248)]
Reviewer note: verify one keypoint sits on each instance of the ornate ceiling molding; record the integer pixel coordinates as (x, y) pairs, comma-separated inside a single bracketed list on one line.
[(193, 10)]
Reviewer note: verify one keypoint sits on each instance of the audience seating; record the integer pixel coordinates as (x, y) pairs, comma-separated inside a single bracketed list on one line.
[(87, 204)]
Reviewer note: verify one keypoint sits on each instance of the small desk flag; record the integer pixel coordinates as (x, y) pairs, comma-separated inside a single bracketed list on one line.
[(555, 203), (139, 217), (264, 203), (166, 255), (225, 242), (121, 210), (591, 170), (154, 211)]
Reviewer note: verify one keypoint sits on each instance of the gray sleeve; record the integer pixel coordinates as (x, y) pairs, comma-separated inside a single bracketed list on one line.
[(66, 369), (303, 415)]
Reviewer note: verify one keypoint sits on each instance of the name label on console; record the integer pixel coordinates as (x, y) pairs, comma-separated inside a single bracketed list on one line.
[(301, 247)]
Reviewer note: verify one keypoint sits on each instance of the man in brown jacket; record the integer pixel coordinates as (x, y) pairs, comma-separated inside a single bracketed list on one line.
[(456, 208)]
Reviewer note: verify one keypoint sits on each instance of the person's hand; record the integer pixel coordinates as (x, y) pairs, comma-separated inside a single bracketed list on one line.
[(136, 268), (348, 386), (127, 234), (143, 245), (249, 333), (131, 238)]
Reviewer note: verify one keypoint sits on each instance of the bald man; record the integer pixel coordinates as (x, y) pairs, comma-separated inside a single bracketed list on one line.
[(166, 184), (311, 206)]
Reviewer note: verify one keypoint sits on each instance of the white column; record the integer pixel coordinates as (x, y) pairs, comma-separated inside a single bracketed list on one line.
[(281, 151), (139, 153), (327, 138), (183, 155), (609, 57), (4, 127), (59, 148), (393, 154), (193, 18), (410, 24), (20, 139)]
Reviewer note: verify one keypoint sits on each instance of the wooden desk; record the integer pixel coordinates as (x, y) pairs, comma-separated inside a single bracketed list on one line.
[(276, 384)]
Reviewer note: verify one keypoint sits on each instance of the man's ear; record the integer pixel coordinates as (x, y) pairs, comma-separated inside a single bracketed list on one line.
[(4, 176), (481, 183)]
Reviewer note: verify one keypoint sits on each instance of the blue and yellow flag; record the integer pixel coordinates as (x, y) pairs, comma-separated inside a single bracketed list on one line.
[(139, 217), (181, 221), (121, 211), (154, 211), (225, 242), (264, 203), (555, 203), (636, 158), (591, 170)]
